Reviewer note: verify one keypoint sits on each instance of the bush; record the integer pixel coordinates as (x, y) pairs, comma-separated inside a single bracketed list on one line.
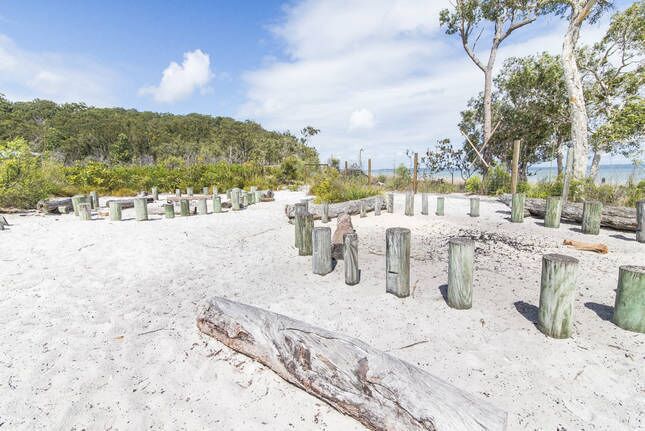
[(473, 184), (330, 186), (497, 181), (401, 179)]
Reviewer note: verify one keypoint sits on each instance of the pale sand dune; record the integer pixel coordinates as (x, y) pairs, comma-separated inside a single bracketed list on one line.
[(97, 321)]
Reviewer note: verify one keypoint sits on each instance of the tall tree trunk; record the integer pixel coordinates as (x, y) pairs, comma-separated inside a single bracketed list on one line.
[(488, 98), (560, 161), (580, 9), (595, 162)]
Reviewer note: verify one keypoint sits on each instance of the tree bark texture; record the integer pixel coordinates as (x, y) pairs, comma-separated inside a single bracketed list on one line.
[(397, 261), (461, 256), (629, 308), (557, 292), (350, 259)]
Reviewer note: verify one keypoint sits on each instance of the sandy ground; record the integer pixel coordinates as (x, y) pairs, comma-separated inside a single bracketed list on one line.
[(97, 321)]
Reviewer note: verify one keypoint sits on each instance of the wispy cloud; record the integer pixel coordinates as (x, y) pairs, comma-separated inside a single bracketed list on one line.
[(60, 77), (179, 81), (379, 59)]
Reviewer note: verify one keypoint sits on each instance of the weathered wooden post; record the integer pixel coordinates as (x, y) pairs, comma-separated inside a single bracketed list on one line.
[(409, 203), (78, 199), (363, 210), (306, 203), (350, 258), (415, 174), (205, 190), (217, 204), (390, 203), (629, 308), (215, 190), (235, 199), (202, 206), (306, 226), (377, 205), (640, 220), (591, 213), (474, 207), (184, 207), (299, 212), (178, 193), (321, 259), (397, 261), (155, 193), (84, 211), (258, 196), (94, 200), (440, 205), (245, 199), (553, 210), (461, 255), (557, 291), (189, 191), (169, 210), (115, 211), (424, 203), (346, 168), (141, 208), (369, 171), (228, 194), (515, 165), (325, 212), (517, 208)]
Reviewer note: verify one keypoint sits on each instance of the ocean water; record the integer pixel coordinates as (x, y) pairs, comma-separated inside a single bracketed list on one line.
[(611, 174)]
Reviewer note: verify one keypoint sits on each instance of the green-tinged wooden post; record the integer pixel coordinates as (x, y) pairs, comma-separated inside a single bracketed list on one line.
[(215, 192), (78, 199), (115, 211), (258, 196), (553, 211), (517, 208), (235, 199), (184, 207), (390, 203), (461, 256), (84, 211), (325, 212), (217, 204), (306, 202), (557, 292), (397, 261), (228, 194), (474, 207), (189, 191), (377, 205), (299, 213), (141, 208), (629, 308), (202, 206), (178, 193), (245, 199), (155, 193), (363, 208), (640, 221), (350, 259), (591, 213), (440, 205), (306, 230), (169, 210), (94, 200), (409, 203), (321, 259), (205, 190), (424, 203)]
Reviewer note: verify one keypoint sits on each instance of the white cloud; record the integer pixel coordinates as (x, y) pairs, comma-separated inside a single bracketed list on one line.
[(361, 119), (179, 81), (26, 75), (388, 56)]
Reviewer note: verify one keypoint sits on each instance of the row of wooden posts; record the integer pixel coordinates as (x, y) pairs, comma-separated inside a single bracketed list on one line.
[(558, 282), (84, 204)]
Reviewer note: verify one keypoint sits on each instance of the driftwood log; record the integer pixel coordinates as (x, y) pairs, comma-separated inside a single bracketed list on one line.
[(349, 207), (620, 218), (377, 389), (127, 202), (50, 206), (587, 246), (344, 226)]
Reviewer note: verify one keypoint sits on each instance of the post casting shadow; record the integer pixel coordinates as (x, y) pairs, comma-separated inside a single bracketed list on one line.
[(444, 292), (529, 311), (623, 237), (605, 312)]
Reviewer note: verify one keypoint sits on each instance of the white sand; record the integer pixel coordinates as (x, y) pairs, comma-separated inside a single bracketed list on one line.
[(97, 321)]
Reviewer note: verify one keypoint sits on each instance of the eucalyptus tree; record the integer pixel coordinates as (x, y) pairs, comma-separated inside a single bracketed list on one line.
[(613, 73), (497, 19)]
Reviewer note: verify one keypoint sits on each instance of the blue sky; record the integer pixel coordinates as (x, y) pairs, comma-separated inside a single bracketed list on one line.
[(377, 74)]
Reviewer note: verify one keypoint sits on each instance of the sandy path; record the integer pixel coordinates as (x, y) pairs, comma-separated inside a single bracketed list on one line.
[(97, 321)]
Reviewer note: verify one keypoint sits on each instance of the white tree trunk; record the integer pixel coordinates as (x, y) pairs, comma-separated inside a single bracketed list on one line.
[(595, 163), (579, 121)]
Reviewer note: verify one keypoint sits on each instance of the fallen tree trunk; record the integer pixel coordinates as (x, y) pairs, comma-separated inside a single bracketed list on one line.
[(620, 218), (128, 202), (50, 206), (348, 207), (587, 246), (379, 390)]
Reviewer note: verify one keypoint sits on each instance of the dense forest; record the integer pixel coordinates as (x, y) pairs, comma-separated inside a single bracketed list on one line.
[(76, 132)]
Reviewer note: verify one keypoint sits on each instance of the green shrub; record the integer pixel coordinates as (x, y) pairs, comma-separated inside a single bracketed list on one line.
[(401, 179), (497, 181), (330, 186), (473, 184)]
